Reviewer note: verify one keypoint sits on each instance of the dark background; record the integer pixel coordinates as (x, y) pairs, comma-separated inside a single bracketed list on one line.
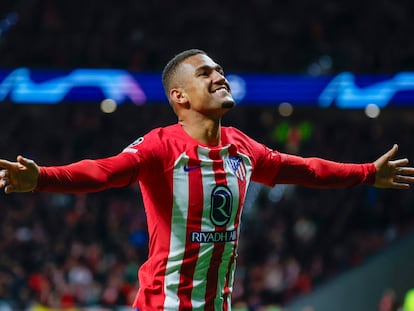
[(83, 250)]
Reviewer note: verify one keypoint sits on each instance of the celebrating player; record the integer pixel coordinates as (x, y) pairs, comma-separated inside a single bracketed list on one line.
[(194, 177)]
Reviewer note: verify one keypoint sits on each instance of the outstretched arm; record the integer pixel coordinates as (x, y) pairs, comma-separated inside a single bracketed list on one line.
[(321, 173), (20, 176), (80, 177), (393, 173)]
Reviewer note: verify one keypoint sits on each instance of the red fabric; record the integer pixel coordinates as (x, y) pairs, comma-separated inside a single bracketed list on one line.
[(89, 175), (319, 173), (122, 170), (177, 176)]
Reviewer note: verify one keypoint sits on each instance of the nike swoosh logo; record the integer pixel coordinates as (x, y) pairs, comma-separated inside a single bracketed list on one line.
[(191, 168)]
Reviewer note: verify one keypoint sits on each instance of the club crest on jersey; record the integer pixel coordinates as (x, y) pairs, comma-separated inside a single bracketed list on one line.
[(236, 163), (221, 205)]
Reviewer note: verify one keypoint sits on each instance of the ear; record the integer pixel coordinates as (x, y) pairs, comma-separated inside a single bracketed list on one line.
[(179, 97)]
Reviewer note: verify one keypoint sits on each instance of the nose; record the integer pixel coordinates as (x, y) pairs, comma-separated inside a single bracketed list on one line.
[(218, 77)]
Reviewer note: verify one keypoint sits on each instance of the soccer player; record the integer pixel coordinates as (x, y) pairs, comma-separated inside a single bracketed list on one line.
[(193, 176)]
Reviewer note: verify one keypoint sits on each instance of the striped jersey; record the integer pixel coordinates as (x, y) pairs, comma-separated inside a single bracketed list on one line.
[(193, 196)]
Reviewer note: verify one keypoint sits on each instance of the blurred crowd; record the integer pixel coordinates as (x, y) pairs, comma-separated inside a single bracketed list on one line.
[(259, 36), (72, 251)]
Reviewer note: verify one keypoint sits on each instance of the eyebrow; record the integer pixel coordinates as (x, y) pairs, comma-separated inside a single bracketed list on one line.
[(204, 67)]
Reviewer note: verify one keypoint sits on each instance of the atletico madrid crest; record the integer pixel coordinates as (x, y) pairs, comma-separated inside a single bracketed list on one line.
[(238, 167)]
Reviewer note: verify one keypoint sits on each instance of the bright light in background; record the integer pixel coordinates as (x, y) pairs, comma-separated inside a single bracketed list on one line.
[(372, 111), (238, 87), (108, 105), (322, 66), (285, 109)]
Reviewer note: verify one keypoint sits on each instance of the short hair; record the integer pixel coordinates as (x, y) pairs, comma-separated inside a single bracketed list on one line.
[(171, 68)]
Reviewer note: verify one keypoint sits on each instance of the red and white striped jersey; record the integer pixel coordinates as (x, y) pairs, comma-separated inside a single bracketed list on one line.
[(193, 196)]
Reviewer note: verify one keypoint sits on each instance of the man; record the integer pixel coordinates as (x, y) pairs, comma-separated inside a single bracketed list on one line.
[(193, 177)]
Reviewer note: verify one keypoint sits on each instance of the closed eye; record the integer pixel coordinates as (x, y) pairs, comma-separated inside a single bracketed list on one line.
[(205, 71)]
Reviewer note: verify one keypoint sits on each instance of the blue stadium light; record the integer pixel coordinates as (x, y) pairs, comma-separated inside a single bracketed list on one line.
[(345, 90)]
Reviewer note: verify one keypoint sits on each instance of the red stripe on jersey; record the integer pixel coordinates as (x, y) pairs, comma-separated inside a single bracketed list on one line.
[(152, 272), (229, 276), (195, 190), (212, 274), (241, 175)]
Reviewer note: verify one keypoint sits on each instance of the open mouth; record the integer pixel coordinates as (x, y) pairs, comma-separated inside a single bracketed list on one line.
[(221, 89)]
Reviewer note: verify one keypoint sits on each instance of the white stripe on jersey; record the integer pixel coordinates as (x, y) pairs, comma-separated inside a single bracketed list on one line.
[(179, 225), (233, 185), (206, 249), (178, 235)]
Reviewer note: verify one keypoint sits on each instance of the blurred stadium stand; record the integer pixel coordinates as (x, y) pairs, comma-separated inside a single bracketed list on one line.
[(83, 251)]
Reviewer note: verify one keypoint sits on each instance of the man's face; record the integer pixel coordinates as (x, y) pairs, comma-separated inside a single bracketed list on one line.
[(205, 86)]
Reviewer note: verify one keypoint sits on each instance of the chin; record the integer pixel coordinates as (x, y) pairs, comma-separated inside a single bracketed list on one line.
[(228, 104)]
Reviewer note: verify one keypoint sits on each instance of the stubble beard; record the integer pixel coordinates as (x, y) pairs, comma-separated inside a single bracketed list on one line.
[(228, 104)]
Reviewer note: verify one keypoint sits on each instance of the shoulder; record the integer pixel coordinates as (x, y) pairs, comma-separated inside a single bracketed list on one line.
[(233, 135), (159, 132), (151, 140), (155, 135), (246, 144), (231, 131)]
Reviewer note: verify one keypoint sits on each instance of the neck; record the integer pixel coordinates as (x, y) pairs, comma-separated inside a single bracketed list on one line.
[(206, 131)]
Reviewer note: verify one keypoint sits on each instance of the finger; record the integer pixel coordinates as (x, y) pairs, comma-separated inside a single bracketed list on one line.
[(392, 152), (8, 189), (24, 161), (4, 178), (405, 170), (399, 162), (404, 179), (386, 157), (400, 186), (5, 164)]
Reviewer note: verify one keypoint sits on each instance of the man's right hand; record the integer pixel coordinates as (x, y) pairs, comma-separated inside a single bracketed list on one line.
[(20, 176)]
